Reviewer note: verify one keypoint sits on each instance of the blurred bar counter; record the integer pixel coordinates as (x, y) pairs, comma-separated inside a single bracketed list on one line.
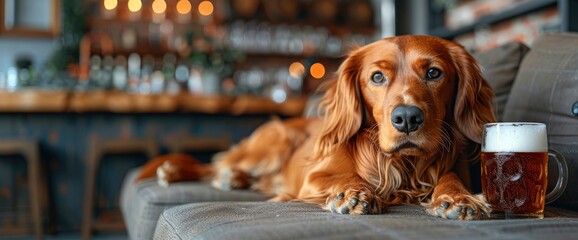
[(36, 100)]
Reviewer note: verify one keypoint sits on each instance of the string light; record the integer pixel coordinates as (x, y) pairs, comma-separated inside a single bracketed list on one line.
[(184, 7), (159, 6), (206, 8), (317, 70), (134, 5), (110, 4)]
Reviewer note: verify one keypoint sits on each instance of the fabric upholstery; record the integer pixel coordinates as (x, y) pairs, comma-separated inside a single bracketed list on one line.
[(544, 91), (259, 220), (501, 66), (141, 204)]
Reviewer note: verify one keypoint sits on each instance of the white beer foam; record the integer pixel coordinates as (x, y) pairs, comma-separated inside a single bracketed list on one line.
[(516, 137)]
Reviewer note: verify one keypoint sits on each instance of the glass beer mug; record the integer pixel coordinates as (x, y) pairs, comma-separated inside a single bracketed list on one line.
[(514, 160)]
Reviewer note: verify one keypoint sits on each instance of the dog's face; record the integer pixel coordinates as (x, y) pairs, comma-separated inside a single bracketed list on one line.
[(408, 88), (416, 90)]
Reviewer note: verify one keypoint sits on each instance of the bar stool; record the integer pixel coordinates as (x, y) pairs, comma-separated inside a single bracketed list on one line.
[(29, 150), (97, 149)]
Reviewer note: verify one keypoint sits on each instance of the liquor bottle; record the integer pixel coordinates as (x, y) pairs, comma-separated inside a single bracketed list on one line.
[(107, 70), (119, 74), (134, 72)]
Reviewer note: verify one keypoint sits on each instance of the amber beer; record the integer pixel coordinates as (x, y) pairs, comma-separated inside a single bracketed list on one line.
[(514, 162), (515, 181)]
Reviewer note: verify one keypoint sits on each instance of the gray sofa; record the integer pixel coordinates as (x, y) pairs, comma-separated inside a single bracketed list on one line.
[(538, 84)]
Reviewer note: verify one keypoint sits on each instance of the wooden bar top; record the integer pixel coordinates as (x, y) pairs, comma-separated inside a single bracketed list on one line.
[(122, 102)]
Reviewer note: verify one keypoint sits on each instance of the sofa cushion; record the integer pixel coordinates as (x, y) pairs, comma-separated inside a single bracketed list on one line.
[(501, 65), (142, 203), (268, 220), (545, 90)]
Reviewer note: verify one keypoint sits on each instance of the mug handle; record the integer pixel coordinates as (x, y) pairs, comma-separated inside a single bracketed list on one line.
[(562, 176)]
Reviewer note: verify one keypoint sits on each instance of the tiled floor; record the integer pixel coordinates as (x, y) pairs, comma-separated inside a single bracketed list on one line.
[(70, 236)]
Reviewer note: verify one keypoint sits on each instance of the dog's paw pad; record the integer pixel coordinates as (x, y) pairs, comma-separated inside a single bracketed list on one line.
[(228, 180), (460, 207), (353, 202), (225, 184)]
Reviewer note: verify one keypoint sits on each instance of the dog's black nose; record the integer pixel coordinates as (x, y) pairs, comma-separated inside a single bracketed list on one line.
[(406, 118)]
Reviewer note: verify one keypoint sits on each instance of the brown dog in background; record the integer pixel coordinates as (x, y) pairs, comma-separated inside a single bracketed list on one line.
[(397, 122)]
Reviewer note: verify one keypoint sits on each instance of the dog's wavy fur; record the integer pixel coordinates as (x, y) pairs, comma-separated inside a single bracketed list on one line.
[(353, 160)]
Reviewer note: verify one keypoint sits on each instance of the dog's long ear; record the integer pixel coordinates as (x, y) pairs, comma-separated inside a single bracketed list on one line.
[(474, 100), (342, 106)]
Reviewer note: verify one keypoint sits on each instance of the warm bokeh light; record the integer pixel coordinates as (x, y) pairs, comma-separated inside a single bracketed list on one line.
[(134, 5), (110, 4), (296, 69), (184, 7), (206, 8), (317, 70), (159, 6)]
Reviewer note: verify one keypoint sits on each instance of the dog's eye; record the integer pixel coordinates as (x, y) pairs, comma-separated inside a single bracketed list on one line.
[(433, 74), (377, 78)]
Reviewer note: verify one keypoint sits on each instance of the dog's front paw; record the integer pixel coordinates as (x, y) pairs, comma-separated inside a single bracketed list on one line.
[(354, 200), (230, 179), (460, 206)]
